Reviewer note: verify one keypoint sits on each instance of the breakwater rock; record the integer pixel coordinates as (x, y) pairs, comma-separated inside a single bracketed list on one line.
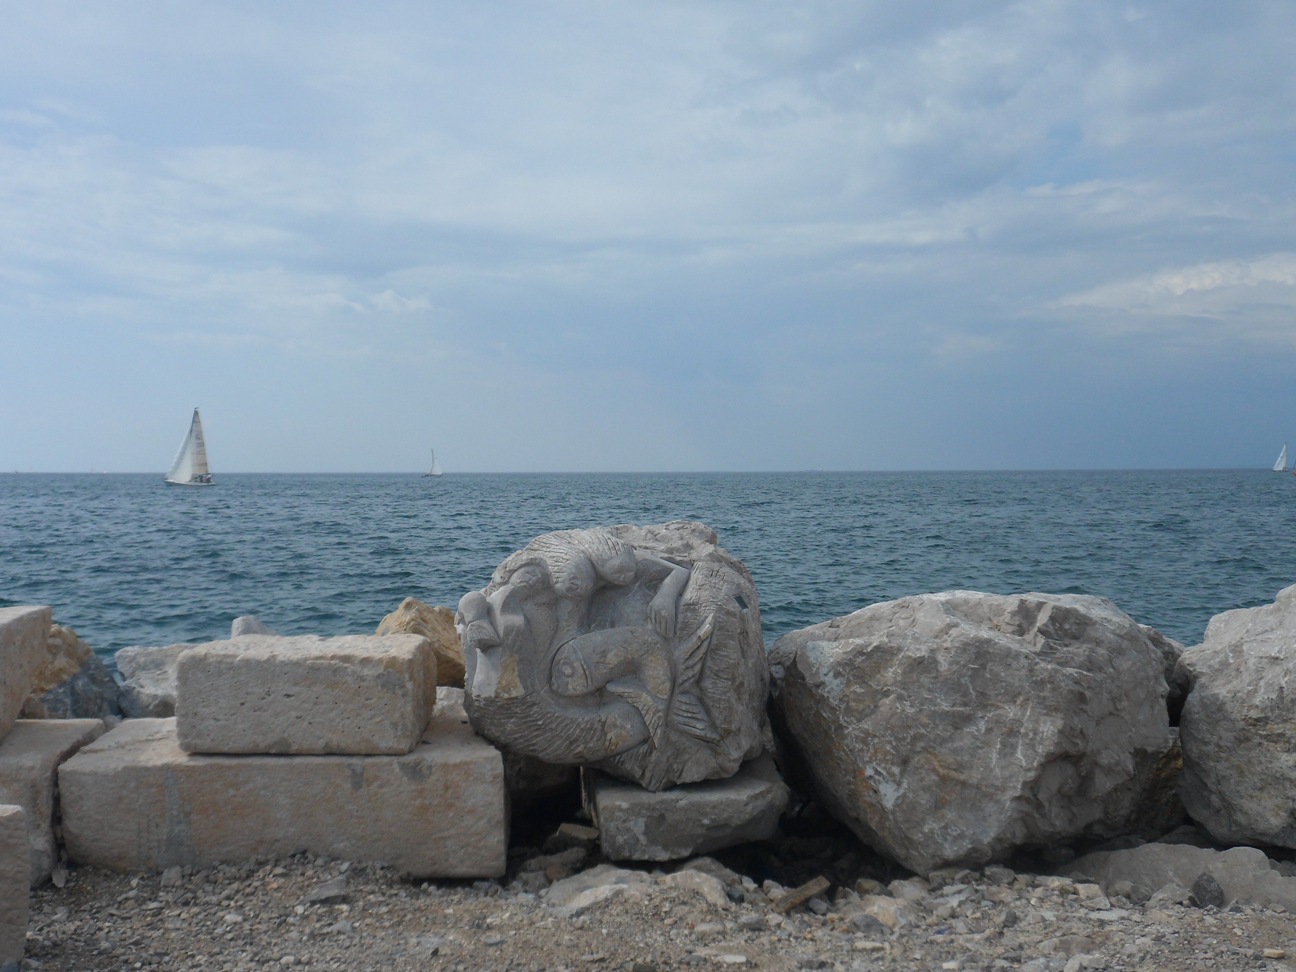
[(952, 729)]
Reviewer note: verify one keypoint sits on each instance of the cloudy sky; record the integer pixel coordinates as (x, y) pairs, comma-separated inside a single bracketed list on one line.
[(574, 236)]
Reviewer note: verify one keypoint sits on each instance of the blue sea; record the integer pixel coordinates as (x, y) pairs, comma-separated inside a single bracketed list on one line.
[(127, 560)]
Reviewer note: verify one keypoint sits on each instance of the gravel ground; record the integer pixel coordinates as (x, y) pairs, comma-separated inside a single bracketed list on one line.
[(709, 913)]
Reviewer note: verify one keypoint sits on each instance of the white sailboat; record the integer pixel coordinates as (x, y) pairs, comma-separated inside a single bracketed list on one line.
[(436, 467), (190, 465), (1281, 464)]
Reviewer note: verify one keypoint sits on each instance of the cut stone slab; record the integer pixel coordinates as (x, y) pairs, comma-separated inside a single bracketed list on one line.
[(636, 824), (29, 760), (135, 801), (362, 695), (23, 631), (15, 901)]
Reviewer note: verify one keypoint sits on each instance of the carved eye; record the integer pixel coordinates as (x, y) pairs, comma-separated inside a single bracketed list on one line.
[(566, 669)]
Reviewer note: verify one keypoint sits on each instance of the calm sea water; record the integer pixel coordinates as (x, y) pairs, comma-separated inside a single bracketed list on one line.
[(127, 560)]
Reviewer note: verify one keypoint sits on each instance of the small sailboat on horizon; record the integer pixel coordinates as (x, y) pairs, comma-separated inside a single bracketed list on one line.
[(435, 471), (1281, 464), (190, 465)]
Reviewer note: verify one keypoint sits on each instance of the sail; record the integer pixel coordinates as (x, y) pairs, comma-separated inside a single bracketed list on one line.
[(190, 465), (436, 466), (1281, 464)]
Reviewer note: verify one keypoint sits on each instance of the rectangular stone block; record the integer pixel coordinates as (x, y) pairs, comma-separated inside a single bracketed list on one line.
[(134, 800), (636, 824), (353, 695), (29, 760), (23, 631), (15, 901)]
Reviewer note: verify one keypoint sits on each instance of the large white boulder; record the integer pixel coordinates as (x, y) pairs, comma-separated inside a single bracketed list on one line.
[(951, 729), (1238, 727)]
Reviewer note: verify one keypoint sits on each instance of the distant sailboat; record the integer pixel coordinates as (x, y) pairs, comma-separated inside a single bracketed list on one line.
[(436, 467), (1281, 464), (190, 465)]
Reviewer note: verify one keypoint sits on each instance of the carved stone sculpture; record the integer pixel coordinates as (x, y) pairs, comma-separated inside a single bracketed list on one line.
[(636, 650)]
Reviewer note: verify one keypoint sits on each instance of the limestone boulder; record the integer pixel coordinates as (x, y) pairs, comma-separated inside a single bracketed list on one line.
[(22, 649), (436, 624), (634, 650), (951, 729), (1237, 728), (1244, 874), (72, 682), (148, 672), (247, 624)]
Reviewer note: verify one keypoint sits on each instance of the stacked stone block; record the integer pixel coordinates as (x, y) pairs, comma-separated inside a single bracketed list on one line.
[(14, 901), (330, 745)]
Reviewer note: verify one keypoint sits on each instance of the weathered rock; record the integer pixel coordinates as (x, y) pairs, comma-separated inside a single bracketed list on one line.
[(356, 694), (148, 674), (1244, 874), (22, 648), (72, 682), (134, 801), (579, 893), (1237, 728), (694, 818), (635, 650), (246, 624), (14, 895), (951, 729), (437, 625), (29, 759)]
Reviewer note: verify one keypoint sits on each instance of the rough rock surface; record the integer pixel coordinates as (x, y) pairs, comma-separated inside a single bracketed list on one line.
[(22, 648), (29, 759), (684, 821), (635, 650), (355, 694), (954, 728), (14, 898), (148, 674), (1237, 728), (72, 682), (436, 624), (247, 624)]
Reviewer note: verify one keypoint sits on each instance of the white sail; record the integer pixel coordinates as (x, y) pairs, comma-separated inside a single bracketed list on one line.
[(1281, 464), (436, 466), (190, 465)]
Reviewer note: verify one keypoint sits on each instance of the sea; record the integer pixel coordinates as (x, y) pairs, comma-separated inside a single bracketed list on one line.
[(127, 560)]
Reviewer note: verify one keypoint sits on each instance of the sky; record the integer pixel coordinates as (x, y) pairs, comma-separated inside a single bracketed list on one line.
[(611, 236)]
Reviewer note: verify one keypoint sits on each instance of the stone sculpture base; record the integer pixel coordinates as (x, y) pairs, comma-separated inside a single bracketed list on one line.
[(636, 824), (29, 759), (134, 801), (15, 902)]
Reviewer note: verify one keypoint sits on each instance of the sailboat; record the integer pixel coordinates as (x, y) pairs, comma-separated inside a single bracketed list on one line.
[(1281, 464), (436, 467), (190, 465)]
